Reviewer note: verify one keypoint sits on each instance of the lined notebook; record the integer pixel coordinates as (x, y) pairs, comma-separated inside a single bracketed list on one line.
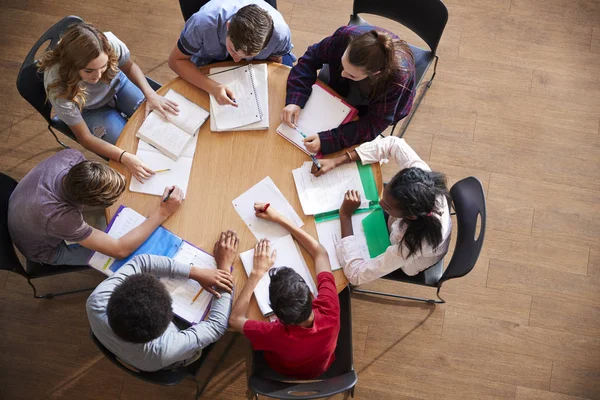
[(171, 137), (288, 255), (162, 242), (323, 111), (249, 84)]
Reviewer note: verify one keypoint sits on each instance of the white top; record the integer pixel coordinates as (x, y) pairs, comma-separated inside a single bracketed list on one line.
[(359, 270)]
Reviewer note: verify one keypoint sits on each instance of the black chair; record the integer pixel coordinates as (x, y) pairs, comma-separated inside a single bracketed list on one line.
[(340, 377), (469, 204), (30, 82), (426, 18), (191, 7), (8, 257)]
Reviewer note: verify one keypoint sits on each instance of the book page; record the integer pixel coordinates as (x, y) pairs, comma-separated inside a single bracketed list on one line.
[(326, 192), (288, 255), (265, 191), (330, 233), (165, 136), (191, 116), (248, 111)]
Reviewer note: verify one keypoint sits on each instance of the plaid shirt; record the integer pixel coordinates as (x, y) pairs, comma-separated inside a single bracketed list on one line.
[(383, 110)]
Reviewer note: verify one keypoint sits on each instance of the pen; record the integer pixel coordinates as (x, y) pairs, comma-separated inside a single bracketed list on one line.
[(266, 208), (168, 194), (197, 295), (312, 156), (163, 170)]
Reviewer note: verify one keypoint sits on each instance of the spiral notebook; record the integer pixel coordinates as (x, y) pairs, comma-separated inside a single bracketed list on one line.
[(249, 84)]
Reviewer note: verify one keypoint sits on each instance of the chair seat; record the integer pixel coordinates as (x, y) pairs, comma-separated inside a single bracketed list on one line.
[(37, 270), (313, 390), (428, 277)]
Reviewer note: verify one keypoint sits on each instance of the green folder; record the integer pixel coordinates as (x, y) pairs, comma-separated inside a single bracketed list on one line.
[(368, 181), (376, 232)]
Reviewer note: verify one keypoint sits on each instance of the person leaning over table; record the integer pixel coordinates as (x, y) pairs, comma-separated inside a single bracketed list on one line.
[(91, 82), (45, 210), (417, 202), (242, 29), (301, 342), (130, 312), (371, 68)]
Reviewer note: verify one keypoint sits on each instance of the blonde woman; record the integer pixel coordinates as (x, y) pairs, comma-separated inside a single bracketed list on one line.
[(94, 87)]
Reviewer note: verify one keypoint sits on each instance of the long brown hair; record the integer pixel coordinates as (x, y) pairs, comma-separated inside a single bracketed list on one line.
[(377, 51), (80, 44)]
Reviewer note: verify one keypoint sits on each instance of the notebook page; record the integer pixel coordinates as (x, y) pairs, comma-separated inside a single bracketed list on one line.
[(330, 233), (248, 111), (288, 255), (164, 135), (265, 191), (326, 192), (188, 151), (190, 117), (322, 112)]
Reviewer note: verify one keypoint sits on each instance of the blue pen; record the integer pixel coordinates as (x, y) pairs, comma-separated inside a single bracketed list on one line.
[(312, 156)]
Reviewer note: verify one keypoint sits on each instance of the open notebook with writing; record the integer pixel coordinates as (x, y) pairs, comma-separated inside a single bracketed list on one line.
[(249, 84), (171, 137), (162, 242), (323, 111)]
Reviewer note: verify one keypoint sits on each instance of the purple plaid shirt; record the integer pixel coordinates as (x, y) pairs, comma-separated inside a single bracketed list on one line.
[(383, 110)]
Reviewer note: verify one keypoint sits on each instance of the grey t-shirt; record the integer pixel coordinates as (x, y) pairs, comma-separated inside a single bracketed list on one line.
[(174, 347), (97, 94), (39, 216)]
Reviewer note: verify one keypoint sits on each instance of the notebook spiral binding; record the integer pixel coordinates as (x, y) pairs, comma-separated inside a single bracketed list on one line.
[(253, 82)]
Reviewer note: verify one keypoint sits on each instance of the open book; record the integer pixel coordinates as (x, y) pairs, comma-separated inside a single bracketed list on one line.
[(171, 137), (323, 111), (249, 85), (288, 255)]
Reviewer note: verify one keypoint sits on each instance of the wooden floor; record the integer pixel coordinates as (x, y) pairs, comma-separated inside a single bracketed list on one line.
[(516, 103)]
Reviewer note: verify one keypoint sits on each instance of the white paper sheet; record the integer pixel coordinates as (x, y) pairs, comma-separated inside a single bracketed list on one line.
[(288, 255), (326, 192), (265, 191), (330, 233)]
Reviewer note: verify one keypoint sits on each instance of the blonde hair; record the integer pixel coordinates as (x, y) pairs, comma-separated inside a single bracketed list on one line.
[(80, 44), (91, 183)]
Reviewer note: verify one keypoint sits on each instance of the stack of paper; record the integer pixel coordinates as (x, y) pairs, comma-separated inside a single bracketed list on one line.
[(288, 255)]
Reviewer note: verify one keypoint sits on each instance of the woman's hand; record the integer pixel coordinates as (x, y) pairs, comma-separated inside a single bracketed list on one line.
[(289, 115), (138, 169), (223, 95), (313, 144), (327, 164), (264, 211), (161, 105), (212, 280), (263, 258), (350, 204), (226, 249)]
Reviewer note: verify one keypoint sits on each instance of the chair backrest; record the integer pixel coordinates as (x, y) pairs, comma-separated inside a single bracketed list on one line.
[(8, 257), (29, 82), (469, 203), (162, 377), (191, 7), (426, 18)]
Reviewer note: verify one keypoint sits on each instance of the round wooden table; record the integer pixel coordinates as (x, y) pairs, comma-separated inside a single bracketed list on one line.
[(226, 164)]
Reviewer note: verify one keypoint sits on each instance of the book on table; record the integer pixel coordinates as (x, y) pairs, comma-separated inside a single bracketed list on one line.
[(162, 242), (172, 136)]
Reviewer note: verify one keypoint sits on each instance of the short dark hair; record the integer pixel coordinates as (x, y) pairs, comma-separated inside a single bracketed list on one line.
[(250, 29), (91, 183), (139, 310), (290, 296)]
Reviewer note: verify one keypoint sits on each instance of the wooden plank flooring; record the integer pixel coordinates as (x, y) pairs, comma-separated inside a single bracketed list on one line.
[(516, 103)]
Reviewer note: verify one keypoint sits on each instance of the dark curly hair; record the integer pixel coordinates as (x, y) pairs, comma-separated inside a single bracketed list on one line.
[(139, 310), (415, 191), (291, 299)]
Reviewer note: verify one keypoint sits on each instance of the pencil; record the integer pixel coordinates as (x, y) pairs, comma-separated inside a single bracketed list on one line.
[(163, 170), (197, 295)]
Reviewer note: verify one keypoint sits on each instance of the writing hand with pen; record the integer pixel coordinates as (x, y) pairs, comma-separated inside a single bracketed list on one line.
[(223, 95), (289, 116)]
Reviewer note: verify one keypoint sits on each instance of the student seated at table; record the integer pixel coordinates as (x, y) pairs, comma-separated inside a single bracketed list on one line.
[(130, 312), (45, 210), (91, 82), (417, 202), (371, 68), (240, 29), (302, 341)]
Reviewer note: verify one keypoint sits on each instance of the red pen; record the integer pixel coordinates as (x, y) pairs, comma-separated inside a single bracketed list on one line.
[(266, 208)]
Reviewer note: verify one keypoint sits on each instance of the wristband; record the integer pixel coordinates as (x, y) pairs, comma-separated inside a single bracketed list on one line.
[(349, 155), (121, 156)]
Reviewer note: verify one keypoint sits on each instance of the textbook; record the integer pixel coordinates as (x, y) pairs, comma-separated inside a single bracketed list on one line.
[(171, 137), (288, 255), (249, 84), (323, 111), (162, 242)]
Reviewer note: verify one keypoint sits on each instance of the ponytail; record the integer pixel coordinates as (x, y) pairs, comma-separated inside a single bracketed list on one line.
[(416, 192)]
